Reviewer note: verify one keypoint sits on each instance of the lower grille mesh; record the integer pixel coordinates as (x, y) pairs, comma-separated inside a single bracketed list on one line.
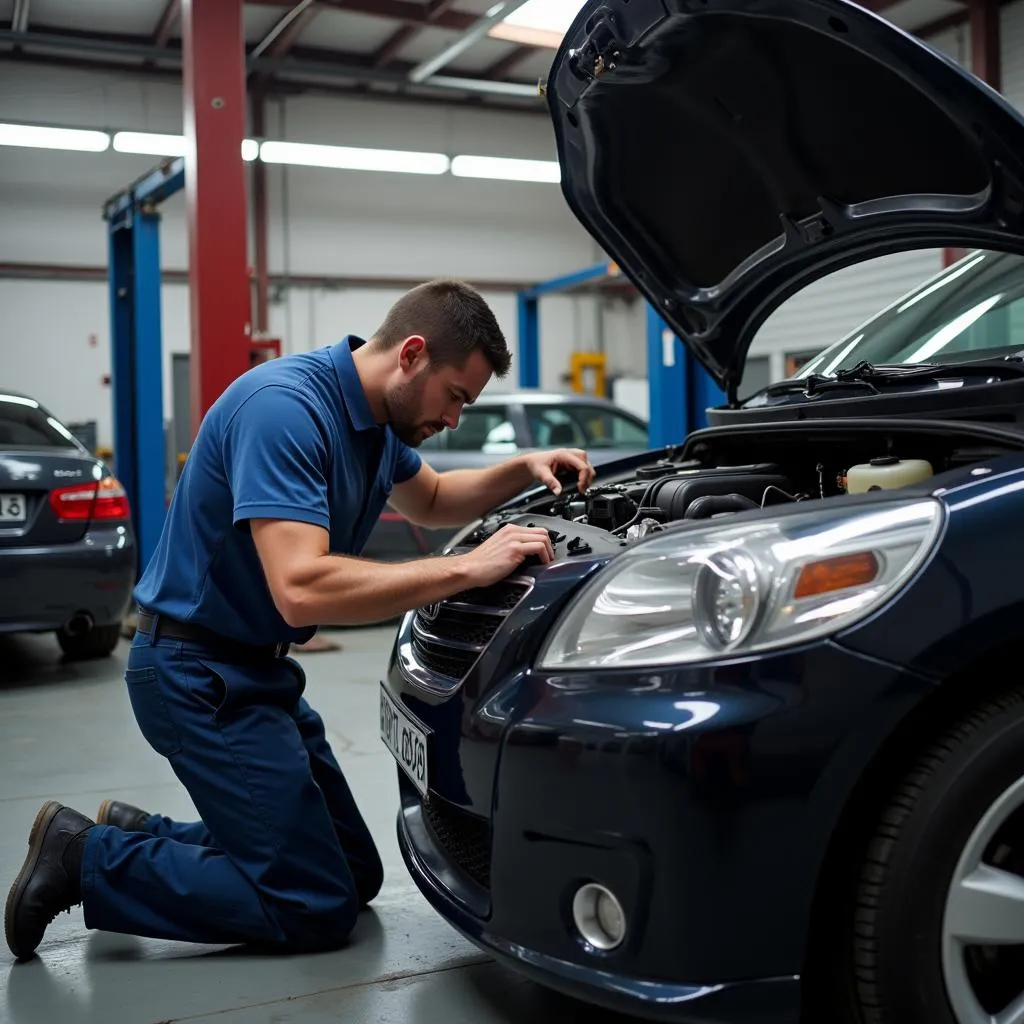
[(465, 837)]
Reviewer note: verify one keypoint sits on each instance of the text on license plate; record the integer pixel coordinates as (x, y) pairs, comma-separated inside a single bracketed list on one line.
[(12, 508), (405, 739)]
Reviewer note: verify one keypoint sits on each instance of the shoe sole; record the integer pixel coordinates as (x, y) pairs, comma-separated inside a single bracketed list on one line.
[(35, 847)]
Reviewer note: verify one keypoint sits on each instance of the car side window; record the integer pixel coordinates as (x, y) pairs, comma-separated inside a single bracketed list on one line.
[(480, 429), (608, 429), (553, 427), (584, 426)]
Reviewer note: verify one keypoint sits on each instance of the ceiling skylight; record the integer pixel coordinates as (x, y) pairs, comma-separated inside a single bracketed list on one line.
[(538, 22)]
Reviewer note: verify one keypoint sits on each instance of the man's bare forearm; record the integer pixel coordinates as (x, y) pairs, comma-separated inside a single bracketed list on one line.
[(464, 494), (339, 590)]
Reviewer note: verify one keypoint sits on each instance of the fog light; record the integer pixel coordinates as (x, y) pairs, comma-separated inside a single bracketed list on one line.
[(599, 916)]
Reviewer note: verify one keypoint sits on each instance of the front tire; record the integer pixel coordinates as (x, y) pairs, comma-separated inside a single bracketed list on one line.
[(98, 642), (938, 915)]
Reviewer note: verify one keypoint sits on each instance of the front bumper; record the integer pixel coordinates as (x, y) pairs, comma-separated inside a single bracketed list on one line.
[(44, 587), (704, 798), (768, 1001)]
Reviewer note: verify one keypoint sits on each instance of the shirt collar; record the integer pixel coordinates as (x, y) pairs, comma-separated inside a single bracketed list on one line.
[(352, 392)]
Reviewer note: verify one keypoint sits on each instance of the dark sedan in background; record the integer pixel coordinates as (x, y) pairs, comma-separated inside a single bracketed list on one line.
[(499, 425), (67, 548)]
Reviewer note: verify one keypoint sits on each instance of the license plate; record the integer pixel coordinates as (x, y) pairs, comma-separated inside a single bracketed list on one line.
[(406, 740), (12, 508)]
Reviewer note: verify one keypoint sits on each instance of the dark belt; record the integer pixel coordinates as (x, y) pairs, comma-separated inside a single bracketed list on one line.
[(218, 645)]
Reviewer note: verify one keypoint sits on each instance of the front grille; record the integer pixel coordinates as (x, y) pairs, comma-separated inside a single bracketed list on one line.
[(450, 640), (466, 838)]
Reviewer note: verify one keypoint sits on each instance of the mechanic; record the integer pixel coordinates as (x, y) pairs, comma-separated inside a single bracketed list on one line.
[(290, 469)]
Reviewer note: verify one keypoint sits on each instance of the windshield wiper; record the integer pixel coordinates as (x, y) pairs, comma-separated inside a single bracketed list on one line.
[(866, 371), (816, 383), (865, 374)]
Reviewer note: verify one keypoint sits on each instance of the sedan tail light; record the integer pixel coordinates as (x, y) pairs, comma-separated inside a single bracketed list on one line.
[(106, 500)]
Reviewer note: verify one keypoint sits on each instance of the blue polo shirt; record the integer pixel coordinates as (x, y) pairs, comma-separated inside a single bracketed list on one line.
[(294, 438)]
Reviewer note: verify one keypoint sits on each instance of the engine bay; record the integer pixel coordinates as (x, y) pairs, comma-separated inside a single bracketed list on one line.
[(723, 471)]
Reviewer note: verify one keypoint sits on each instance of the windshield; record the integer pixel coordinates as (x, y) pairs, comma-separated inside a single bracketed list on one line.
[(972, 310), (23, 424)]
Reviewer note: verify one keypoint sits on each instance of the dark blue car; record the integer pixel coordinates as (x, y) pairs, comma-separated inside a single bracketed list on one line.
[(752, 749), (67, 545)]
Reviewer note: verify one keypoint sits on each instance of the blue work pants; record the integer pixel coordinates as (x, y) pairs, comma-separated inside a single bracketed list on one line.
[(281, 858)]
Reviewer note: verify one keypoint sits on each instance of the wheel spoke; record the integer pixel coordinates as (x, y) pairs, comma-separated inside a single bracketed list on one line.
[(1013, 1014), (987, 909)]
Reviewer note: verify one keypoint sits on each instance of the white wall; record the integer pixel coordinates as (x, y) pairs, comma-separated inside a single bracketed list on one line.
[(320, 222), (1012, 52)]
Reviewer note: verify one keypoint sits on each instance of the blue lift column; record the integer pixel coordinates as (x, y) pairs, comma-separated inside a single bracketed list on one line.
[(133, 223), (529, 316), (680, 389), (667, 383)]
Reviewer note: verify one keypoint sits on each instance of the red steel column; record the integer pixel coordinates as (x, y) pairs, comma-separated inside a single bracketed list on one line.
[(259, 216), (213, 77)]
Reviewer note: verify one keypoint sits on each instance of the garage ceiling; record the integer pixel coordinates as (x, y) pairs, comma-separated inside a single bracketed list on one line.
[(453, 50)]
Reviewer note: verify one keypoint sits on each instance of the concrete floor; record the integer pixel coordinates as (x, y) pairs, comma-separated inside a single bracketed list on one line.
[(67, 732)]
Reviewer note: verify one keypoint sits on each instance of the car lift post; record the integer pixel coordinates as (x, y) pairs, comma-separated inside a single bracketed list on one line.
[(133, 222), (213, 44), (679, 388), (529, 316)]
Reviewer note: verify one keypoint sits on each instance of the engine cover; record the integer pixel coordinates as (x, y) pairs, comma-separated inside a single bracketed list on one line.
[(675, 495)]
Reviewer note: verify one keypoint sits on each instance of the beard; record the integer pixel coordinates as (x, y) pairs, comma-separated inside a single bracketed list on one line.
[(404, 404)]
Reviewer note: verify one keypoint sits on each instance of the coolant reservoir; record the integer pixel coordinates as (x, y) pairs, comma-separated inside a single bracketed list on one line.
[(886, 473)]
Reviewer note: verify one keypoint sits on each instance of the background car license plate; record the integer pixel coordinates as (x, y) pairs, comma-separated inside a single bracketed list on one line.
[(12, 508), (405, 739)]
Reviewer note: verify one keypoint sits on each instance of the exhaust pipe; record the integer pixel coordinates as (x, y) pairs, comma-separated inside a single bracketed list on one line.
[(78, 624)]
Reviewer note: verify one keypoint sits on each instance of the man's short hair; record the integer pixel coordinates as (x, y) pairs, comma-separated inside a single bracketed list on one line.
[(453, 318)]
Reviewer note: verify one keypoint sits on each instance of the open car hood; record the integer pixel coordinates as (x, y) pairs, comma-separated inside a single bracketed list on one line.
[(725, 153)]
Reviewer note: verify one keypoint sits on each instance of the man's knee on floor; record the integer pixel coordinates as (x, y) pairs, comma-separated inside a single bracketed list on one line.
[(324, 926), (370, 881)]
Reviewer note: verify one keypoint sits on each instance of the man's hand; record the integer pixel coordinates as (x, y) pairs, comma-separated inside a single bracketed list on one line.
[(504, 551), (544, 466)]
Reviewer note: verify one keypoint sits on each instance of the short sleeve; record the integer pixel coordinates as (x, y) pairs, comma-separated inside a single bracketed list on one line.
[(276, 459), (407, 464)]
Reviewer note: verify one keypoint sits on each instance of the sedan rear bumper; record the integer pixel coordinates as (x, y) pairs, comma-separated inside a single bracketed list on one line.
[(43, 588), (759, 1001)]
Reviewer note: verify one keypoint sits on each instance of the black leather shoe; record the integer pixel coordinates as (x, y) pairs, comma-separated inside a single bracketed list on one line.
[(123, 816), (50, 879)]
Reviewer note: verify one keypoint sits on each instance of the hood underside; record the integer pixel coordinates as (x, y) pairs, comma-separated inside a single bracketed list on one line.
[(726, 153)]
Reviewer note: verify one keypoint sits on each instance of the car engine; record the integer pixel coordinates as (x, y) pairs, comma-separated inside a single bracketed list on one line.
[(719, 474)]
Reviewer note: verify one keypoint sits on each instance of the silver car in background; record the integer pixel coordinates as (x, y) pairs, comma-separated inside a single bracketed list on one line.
[(500, 424)]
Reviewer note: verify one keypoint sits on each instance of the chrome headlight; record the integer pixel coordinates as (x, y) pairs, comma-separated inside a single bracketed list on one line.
[(735, 589)]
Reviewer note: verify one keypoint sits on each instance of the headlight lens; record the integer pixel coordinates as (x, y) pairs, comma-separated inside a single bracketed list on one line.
[(693, 595)]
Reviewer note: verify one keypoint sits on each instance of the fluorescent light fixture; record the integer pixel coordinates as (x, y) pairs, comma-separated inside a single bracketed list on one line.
[(538, 22), (79, 140), (153, 144), (149, 144), (345, 158), (506, 169)]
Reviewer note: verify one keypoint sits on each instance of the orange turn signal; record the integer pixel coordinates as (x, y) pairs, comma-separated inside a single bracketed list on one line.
[(836, 574)]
